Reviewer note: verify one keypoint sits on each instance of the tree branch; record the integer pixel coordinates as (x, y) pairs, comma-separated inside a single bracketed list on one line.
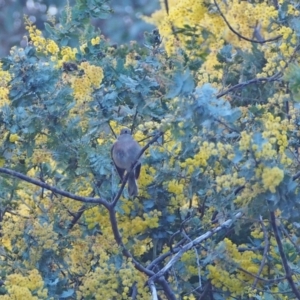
[(54, 189), (275, 77), (168, 292), (193, 243), (118, 238), (286, 267), (153, 290)]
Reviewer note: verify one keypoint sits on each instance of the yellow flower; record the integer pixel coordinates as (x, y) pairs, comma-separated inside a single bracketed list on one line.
[(95, 41), (272, 177), (13, 138)]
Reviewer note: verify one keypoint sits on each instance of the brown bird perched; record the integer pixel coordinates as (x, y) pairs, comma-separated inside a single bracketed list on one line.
[(125, 152)]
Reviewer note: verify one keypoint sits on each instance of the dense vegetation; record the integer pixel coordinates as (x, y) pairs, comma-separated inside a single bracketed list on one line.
[(213, 97)]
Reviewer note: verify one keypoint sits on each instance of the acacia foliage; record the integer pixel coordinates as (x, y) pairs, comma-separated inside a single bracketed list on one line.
[(216, 108)]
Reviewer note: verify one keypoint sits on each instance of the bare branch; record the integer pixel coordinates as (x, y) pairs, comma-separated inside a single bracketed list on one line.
[(285, 264), (275, 77), (166, 287), (153, 290), (77, 216), (275, 2), (112, 216), (54, 189), (241, 36), (118, 238), (193, 243), (167, 6)]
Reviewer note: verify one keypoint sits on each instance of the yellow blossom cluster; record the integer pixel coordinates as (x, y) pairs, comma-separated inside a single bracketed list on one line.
[(130, 60), (227, 280), (276, 132), (94, 216), (146, 177), (42, 44), (176, 187), (271, 178), (200, 159), (253, 23), (277, 56), (189, 258), (95, 41), (12, 231), (249, 193), (80, 256), (41, 156), (46, 238), (21, 287), (66, 54), (229, 181), (275, 139), (5, 78), (14, 138), (184, 12), (48, 46), (84, 85), (132, 227), (109, 282), (207, 150), (141, 247)]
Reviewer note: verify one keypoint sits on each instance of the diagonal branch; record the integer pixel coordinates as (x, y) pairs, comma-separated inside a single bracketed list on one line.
[(287, 269), (54, 189), (153, 290), (275, 77), (193, 243)]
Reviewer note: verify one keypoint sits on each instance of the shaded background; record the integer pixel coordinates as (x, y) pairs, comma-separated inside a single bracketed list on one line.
[(124, 25)]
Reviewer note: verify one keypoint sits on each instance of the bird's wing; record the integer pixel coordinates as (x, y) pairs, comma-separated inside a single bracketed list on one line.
[(119, 170)]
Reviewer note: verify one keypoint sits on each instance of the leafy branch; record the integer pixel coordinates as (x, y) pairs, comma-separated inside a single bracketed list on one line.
[(260, 41)]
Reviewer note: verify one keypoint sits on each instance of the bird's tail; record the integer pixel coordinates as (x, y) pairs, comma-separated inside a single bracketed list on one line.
[(132, 185)]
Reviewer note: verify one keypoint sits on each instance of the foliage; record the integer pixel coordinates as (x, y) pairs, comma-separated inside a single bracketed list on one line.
[(216, 109)]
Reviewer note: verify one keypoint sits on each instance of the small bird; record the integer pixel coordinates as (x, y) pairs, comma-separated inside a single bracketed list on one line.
[(125, 152)]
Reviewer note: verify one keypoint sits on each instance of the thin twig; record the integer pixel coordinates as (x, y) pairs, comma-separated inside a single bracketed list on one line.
[(228, 127), (288, 236), (77, 216), (275, 77), (262, 264), (279, 279)]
